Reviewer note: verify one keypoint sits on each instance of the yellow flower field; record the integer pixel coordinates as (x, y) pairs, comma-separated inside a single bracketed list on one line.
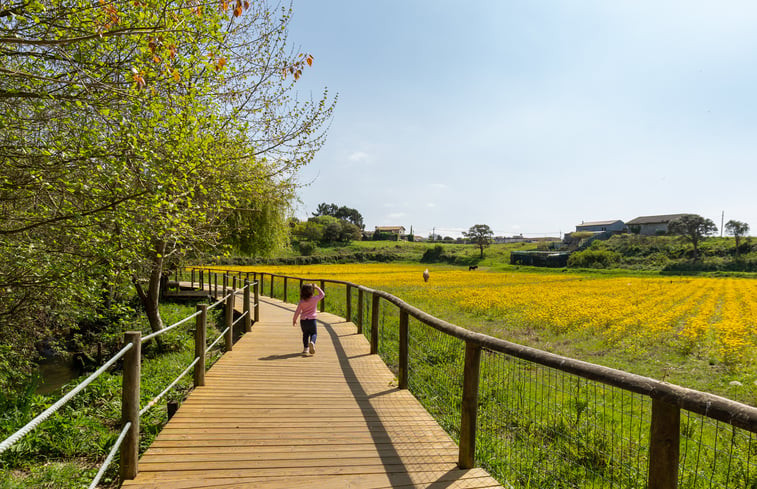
[(717, 315)]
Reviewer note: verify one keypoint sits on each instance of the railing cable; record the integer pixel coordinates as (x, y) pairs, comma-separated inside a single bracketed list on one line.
[(110, 456), (61, 402), (157, 398)]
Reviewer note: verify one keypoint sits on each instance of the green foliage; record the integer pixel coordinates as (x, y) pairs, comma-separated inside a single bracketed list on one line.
[(135, 134), (592, 258), (344, 213)]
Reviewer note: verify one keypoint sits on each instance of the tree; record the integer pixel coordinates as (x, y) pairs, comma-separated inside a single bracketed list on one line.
[(693, 228), (343, 212), (480, 234), (737, 229), (133, 134)]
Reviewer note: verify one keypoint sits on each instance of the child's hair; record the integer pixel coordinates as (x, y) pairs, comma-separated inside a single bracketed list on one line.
[(306, 292)]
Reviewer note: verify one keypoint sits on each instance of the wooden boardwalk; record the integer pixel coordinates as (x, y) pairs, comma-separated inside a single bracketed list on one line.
[(269, 417)]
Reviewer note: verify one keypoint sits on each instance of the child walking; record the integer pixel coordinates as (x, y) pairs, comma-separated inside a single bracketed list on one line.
[(306, 310)]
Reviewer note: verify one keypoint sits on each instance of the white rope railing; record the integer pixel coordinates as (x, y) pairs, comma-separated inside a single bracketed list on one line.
[(244, 315), (8, 442), (157, 398), (174, 325), (220, 337), (110, 456)]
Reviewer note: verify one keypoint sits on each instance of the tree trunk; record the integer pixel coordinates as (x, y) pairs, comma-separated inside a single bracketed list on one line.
[(150, 298)]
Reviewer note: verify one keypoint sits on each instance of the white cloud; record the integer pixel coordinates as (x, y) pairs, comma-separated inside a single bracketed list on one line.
[(358, 157), (430, 205)]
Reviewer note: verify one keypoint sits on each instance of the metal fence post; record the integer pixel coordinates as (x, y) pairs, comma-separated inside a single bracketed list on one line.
[(374, 324), (469, 411), (664, 445), (229, 336), (360, 311), (246, 306), (348, 302), (403, 347), (200, 324), (130, 406)]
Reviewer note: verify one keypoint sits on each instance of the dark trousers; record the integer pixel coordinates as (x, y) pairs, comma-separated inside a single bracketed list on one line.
[(309, 331)]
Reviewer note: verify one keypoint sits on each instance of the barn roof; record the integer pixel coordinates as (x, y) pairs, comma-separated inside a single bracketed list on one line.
[(599, 223), (665, 218)]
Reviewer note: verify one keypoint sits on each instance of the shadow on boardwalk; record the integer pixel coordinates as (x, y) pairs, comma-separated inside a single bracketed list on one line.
[(269, 417)]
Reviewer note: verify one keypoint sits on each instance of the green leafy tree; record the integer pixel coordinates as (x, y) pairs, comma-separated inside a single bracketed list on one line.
[(133, 134), (481, 235), (693, 228), (345, 213), (737, 229)]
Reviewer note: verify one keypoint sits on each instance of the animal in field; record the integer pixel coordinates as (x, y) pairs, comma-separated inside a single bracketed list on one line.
[(425, 275), (473, 267)]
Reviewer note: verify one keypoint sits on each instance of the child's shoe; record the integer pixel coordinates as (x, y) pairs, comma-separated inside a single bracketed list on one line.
[(311, 349)]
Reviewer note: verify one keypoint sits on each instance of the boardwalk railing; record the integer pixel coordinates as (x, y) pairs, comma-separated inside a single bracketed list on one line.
[(533, 418), (128, 439)]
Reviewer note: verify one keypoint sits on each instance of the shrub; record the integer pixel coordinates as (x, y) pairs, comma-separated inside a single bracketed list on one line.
[(593, 259), (306, 248)]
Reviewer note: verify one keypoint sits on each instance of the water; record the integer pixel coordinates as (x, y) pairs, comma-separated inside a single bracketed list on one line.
[(54, 374)]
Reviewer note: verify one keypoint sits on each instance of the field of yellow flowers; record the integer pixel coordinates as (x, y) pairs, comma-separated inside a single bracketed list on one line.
[(716, 317)]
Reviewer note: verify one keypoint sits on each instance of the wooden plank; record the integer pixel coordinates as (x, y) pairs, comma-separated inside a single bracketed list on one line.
[(268, 417)]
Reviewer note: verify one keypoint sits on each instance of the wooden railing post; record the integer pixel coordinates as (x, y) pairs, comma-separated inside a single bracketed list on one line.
[(225, 284), (192, 282), (215, 285), (271, 296), (403, 350), (202, 279), (229, 336), (374, 324), (256, 306), (469, 411), (664, 444), (323, 301), (246, 306), (200, 324), (348, 302), (360, 311), (285, 288), (130, 406)]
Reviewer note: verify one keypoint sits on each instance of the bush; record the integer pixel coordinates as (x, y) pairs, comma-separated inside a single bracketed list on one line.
[(434, 255), (306, 248), (593, 259)]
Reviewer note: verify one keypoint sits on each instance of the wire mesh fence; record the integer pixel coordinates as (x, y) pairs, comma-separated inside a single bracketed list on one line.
[(540, 427), (716, 455), (435, 378)]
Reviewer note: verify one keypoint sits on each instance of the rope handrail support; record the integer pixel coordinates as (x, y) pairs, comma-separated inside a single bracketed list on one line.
[(8, 442)]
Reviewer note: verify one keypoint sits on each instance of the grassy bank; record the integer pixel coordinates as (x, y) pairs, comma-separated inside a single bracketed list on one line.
[(67, 449)]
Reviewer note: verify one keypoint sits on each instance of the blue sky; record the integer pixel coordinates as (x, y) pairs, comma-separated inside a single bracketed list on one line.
[(532, 116)]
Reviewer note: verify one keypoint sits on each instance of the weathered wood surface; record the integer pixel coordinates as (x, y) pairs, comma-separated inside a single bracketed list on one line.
[(269, 417)]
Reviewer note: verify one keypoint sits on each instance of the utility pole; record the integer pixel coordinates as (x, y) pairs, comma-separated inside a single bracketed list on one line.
[(722, 217)]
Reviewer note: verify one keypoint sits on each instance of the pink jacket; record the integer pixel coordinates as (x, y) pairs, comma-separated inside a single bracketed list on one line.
[(307, 309)]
